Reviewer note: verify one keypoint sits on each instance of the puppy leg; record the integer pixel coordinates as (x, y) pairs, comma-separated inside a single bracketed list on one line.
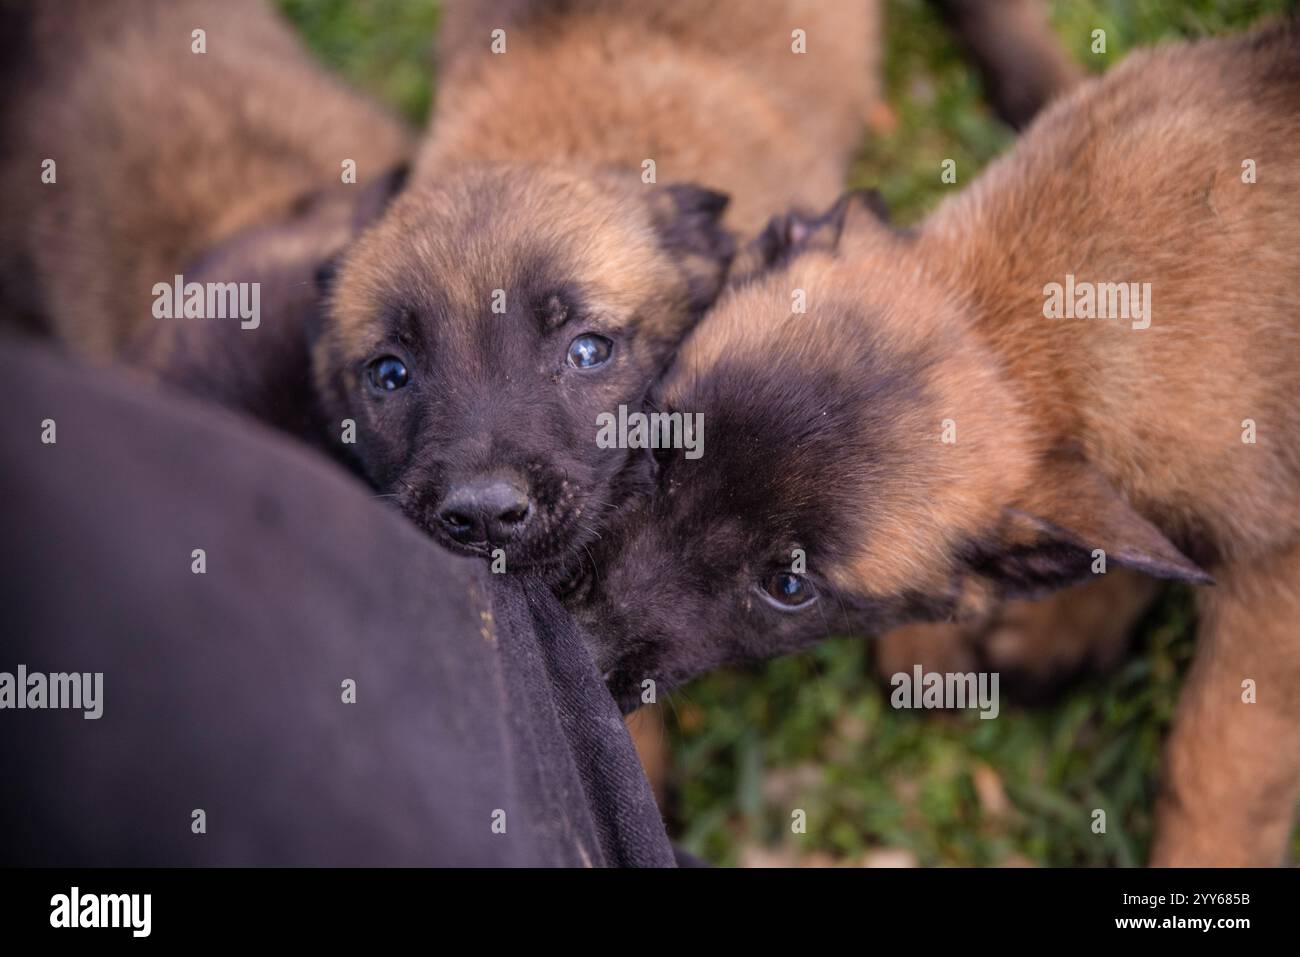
[(1038, 646), (935, 646), (1015, 51), (1232, 772)]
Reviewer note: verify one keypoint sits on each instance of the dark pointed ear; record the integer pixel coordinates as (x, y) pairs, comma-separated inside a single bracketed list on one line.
[(793, 233), (688, 219), (323, 279), (1059, 532), (376, 194)]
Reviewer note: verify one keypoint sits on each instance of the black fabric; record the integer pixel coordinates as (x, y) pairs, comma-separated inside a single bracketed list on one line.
[(223, 691)]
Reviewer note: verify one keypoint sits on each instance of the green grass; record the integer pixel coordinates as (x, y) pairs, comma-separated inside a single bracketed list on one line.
[(940, 109), (815, 732), (382, 46)]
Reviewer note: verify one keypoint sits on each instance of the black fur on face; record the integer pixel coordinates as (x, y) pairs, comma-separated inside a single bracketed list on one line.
[(479, 288), (790, 459)]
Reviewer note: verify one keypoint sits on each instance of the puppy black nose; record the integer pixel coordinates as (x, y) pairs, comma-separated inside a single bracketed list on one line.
[(485, 510)]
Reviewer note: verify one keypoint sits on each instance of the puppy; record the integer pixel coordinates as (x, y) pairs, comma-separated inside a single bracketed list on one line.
[(562, 230), (537, 274), (925, 439), (189, 137)]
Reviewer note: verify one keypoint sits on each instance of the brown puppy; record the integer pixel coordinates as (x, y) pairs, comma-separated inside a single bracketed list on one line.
[(162, 153), (561, 233), (925, 439)]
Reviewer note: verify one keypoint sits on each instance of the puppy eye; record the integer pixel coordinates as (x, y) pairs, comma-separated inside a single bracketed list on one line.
[(788, 591), (588, 351), (388, 373)]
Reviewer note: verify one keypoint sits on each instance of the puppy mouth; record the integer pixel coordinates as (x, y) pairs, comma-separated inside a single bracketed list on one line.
[(472, 549), (515, 548)]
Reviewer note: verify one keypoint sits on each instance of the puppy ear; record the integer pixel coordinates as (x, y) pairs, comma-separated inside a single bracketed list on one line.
[(793, 233), (323, 280), (370, 203), (376, 194), (1053, 536), (688, 219)]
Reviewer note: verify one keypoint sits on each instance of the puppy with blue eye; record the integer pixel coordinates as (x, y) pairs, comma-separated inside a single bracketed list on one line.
[(569, 219), (936, 431)]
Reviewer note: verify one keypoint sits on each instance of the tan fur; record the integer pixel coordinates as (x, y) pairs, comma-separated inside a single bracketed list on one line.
[(711, 91), (1092, 428), (1232, 774), (161, 152), (608, 237), (1157, 199)]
